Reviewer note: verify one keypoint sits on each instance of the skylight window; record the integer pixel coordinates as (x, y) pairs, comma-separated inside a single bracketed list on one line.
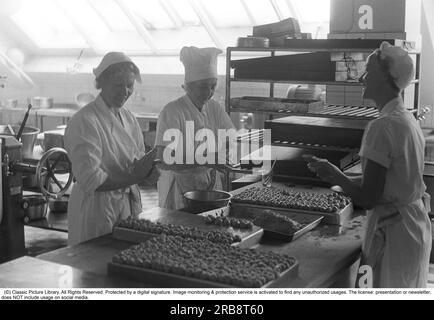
[(262, 11), (109, 12), (223, 17), (285, 9), (46, 24), (313, 10), (153, 15), (85, 19), (185, 12), (173, 40), (159, 26)]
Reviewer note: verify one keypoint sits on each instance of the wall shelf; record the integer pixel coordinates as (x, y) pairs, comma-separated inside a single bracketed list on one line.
[(356, 46)]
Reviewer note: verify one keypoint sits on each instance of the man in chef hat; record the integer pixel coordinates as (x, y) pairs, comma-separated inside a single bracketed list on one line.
[(186, 125), (397, 242)]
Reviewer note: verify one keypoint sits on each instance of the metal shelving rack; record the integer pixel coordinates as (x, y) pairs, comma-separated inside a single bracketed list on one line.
[(347, 112), (329, 111)]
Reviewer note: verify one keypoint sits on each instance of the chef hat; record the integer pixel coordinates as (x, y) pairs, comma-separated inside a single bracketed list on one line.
[(199, 63), (112, 58), (399, 63)]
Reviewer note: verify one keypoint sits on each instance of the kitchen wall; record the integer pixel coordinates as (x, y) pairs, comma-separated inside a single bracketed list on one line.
[(427, 61), (155, 91), (149, 97)]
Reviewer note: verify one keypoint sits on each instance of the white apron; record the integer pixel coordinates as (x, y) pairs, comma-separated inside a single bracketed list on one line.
[(99, 145), (397, 242), (173, 184), (397, 245)]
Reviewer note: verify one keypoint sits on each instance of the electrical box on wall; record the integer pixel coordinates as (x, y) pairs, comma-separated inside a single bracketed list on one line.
[(375, 19)]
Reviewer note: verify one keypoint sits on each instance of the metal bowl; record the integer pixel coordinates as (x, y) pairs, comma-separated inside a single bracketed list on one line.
[(28, 137), (83, 99), (199, 201)]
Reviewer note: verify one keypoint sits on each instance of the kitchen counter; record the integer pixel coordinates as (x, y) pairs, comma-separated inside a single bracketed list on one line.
[(327, 256), (28, 272)]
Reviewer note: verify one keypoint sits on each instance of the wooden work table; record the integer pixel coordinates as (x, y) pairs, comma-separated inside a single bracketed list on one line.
[(327, 256)]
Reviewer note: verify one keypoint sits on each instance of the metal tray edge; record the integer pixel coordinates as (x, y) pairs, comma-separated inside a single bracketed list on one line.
[(134, 273)]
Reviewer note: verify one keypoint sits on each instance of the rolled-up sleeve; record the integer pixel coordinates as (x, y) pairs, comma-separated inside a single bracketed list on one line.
[(83, 144), (377, 143)]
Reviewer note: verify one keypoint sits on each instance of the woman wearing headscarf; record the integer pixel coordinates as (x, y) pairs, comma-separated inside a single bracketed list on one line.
[(105, 144), (187, 116), (397, 242)]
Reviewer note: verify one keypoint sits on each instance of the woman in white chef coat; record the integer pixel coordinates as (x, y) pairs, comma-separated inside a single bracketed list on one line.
[(194, 111), (105, 144), (397, 243)]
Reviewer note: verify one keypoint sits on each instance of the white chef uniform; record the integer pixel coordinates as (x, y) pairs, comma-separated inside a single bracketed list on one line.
[(200, 64), (397, 243), (173, 184), (100, 146)]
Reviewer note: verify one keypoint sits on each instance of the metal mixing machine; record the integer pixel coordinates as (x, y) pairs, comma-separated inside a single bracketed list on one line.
[(53, 163)]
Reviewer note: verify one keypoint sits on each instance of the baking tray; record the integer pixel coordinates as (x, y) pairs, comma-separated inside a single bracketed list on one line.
[(338, 217), (278, 104), (308, 221), (131, 235), (171, 280), (248, 237), (288, 237)]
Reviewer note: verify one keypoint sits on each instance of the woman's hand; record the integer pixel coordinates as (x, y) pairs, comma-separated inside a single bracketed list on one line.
[(323, 169), (144, 167), (140, 170)]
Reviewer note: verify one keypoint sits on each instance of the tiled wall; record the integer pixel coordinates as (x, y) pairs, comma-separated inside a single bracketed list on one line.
[(149, 97)]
